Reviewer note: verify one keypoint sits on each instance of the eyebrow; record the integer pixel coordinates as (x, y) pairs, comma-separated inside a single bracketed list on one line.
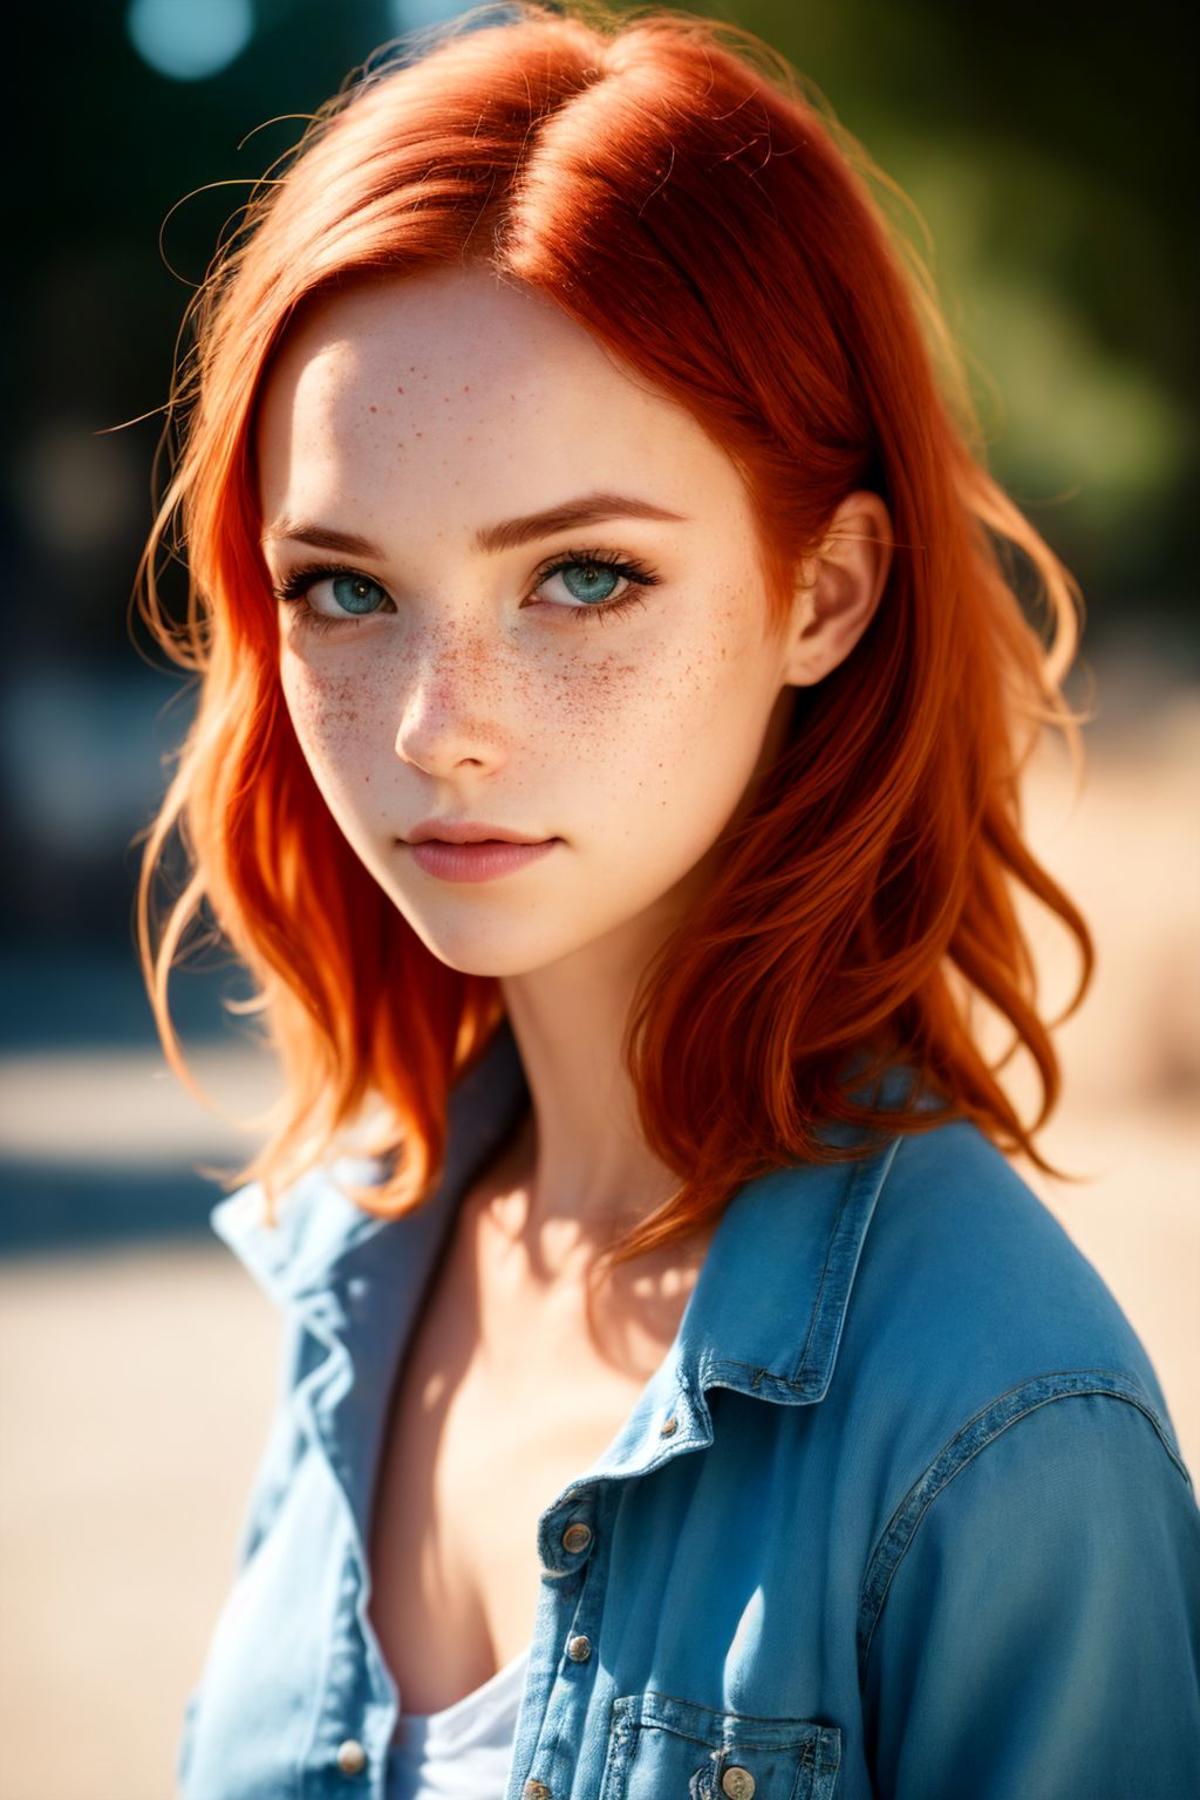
[(588, 509)]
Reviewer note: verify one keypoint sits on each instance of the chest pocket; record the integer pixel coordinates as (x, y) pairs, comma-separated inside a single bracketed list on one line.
[(661, 1748)]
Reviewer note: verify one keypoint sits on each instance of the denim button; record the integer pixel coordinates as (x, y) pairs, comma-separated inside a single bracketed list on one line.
[(668, 1426), (535, 1790), (579, 1649), (351, 1757), (737, 1782), (577, 1536)]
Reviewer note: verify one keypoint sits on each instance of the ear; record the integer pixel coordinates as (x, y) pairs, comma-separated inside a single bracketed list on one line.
[(839, 588)]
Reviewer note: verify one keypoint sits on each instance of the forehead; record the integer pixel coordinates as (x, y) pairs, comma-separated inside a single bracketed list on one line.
[(458, 380)]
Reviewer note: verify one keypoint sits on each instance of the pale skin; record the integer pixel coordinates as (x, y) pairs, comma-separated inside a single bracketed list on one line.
[(412, 412)]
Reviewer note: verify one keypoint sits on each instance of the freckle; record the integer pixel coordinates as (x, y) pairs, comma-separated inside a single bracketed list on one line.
[(372, 409), (399, 390)]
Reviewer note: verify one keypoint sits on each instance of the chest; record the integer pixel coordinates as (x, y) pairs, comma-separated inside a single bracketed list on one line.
[(504, 1395)]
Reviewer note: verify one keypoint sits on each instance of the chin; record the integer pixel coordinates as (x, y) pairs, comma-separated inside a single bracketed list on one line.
[(495, 952)]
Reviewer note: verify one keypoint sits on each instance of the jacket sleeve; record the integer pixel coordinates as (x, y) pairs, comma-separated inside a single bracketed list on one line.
[(1033, 1630)]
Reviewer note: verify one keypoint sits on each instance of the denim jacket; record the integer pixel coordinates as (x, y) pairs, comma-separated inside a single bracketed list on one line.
[(901, 1513)]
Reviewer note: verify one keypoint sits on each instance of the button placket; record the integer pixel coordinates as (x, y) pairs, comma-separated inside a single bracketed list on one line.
[(576, 1539), (346, 1734)]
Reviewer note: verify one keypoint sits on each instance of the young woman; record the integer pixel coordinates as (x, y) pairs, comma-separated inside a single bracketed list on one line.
[(613, 703)]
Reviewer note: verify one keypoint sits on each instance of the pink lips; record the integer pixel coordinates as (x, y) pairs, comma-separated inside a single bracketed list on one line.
[(476, 862)]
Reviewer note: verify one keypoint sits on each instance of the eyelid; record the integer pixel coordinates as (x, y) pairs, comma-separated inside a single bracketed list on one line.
[(363, 566)]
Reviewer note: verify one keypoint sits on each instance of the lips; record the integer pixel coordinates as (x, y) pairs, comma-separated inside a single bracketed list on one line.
[(469, 831), (481, 860)]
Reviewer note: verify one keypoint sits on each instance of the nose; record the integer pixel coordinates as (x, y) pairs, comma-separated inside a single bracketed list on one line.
[(445, 720)]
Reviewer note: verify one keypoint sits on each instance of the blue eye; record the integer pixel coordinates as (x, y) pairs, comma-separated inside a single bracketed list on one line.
[(591, 571), (357, 594), (599, 568), (352, 595)]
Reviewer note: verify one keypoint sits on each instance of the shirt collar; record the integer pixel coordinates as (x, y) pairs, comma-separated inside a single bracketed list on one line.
[(765, 1315)]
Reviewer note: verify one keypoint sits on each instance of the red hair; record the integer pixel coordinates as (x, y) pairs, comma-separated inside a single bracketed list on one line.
[(666, 180)]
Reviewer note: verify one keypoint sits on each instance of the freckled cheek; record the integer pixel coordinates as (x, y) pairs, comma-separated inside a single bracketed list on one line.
[(640, 732), (327, 713), (700, 694), (697, 758)]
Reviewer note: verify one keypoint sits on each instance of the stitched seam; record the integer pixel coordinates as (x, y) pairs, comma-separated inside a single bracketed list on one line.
[(1109, 1389)]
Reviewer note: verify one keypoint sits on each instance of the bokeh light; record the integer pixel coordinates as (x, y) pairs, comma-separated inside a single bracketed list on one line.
[(189, 39)]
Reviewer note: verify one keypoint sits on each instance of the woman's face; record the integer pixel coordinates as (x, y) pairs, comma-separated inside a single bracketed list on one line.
[(484, 680)]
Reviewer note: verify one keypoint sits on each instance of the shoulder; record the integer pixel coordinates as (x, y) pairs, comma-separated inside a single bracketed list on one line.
[(1028, 1620), (1023, 1460), (972, 1309), (970, 1278)]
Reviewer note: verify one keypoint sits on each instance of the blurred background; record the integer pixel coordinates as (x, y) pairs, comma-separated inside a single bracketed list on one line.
[(1053, 170)]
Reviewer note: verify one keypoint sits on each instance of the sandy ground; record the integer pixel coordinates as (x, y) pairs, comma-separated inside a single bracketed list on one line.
[(135, 1385)]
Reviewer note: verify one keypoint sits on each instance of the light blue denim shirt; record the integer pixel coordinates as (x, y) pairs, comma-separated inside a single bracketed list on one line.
[(901, 1512)]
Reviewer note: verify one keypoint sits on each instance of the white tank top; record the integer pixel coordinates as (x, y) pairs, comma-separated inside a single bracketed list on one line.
[(464, 1751)]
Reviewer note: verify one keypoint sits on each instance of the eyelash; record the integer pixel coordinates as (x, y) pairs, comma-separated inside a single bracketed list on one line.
[(293, 590)]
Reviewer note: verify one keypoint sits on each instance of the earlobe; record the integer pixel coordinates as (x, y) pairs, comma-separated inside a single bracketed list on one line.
[(839, 588)]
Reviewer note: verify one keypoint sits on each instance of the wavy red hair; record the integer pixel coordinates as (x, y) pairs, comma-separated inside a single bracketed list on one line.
[(672, 184)]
